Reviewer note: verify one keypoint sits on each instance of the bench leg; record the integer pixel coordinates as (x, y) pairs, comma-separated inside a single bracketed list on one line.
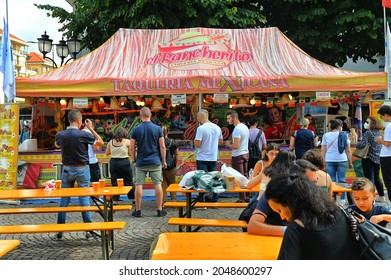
[(105, 245)]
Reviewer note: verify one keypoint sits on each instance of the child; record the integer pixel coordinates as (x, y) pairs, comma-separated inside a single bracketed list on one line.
[(364, 195)]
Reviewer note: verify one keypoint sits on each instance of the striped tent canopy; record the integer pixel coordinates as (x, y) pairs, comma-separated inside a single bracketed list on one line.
[(196, 60)]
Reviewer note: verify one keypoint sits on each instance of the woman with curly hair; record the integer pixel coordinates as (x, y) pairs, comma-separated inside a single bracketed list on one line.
[(317, 229), (324, 180)]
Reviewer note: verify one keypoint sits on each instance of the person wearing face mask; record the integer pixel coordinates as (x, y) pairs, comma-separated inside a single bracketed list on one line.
[(385, 152), (371, 164)]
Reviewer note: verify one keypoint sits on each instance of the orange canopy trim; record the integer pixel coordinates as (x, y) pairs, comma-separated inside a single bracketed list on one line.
[(196, 60)]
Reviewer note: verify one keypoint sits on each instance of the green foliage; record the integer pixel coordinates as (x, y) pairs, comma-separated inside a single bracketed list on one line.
[(97, 21), (329, 30)]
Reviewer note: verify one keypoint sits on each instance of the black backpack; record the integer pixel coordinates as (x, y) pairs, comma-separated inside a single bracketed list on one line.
[(169, 156), (253, 148)]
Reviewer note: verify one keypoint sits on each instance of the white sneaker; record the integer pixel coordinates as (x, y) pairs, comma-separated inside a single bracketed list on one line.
[(380, 199)]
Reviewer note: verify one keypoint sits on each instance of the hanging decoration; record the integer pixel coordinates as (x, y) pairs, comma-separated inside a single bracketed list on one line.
[(269, 102), (334, 98), (301, 101)]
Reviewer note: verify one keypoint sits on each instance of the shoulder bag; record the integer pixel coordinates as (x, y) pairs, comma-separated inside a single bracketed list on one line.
[(363, 152), (374, 240)]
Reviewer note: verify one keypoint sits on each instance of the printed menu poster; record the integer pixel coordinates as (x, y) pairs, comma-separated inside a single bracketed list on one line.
[(9, 135)]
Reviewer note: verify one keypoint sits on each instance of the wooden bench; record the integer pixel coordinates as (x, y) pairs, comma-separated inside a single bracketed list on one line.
[(7, 245), (180, 205), (57, 209), (181, 222), (104, 227)]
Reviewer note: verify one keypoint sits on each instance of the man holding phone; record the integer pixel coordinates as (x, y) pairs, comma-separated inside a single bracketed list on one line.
[(75, 160)]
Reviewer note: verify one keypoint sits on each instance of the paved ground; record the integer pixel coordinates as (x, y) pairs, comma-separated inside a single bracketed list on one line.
[(132, 243)]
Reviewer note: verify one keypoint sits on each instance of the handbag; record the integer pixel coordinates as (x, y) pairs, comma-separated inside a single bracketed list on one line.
[(363, 152), (374, 240)]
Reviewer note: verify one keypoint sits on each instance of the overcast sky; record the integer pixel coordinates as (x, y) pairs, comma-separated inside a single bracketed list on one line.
[(28, 22)]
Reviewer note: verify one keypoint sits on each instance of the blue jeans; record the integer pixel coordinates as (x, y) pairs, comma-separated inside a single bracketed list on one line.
[(70, 175), (337, 171)]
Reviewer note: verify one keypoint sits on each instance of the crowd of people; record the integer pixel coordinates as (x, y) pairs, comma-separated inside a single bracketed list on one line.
[(295, 198)]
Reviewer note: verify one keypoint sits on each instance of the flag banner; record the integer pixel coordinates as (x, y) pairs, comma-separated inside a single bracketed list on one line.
[(386, 3), (7, 65)]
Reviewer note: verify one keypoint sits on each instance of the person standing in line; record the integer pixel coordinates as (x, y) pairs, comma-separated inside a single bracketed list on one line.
[(74, 152), (371, 164), (310, 127), (118, 150), (254, 132), (151, 158), (207, 141), (93, 160), (337, 163), (239, 146), (169, 173), (385, 152), (303, 139)]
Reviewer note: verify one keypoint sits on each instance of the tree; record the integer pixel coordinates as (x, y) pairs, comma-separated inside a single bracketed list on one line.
[(99, 20), (328, 30)]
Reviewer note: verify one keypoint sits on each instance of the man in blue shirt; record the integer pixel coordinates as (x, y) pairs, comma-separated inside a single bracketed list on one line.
[(151, 158), (75, 160)]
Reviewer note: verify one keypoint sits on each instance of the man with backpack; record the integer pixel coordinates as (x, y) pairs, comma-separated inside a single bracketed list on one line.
[(256, 144)]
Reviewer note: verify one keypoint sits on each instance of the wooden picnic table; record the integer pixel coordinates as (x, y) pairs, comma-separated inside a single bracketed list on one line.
[(7, 245), (105, 205), (340, 189), (190, 203), (216, 246)]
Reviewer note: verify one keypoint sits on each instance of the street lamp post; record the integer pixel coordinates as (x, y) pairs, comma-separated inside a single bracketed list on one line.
[(63, 48)]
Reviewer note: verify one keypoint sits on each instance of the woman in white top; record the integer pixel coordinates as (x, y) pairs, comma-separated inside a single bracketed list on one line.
[(118, 150), (336, 163)]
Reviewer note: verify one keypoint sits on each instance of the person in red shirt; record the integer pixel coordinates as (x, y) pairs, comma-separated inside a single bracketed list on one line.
[(310, 127)]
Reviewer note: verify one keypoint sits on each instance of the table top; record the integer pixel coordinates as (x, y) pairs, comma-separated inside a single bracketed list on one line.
[(226, 246), (338, 189), (177, 188), (7, 245), (63, 192)]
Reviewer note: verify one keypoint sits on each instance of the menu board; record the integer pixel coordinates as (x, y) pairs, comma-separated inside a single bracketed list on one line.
[(9, 135)]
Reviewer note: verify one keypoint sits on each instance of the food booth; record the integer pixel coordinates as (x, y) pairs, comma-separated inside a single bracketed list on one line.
[(178, 71)]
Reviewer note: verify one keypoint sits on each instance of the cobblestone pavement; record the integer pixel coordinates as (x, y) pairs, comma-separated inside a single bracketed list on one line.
[(132, 243)]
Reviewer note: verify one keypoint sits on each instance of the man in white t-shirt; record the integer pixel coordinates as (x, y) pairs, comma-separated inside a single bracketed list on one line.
[(207, 141), (239, 146), (385, 152)]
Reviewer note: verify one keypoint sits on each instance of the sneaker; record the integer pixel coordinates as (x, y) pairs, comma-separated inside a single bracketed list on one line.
[(380, 199), (58, 235), (88, 235), (161, 213), (136, 213)]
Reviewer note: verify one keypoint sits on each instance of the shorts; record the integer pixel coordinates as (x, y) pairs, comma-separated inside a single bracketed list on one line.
[(155, 172)]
